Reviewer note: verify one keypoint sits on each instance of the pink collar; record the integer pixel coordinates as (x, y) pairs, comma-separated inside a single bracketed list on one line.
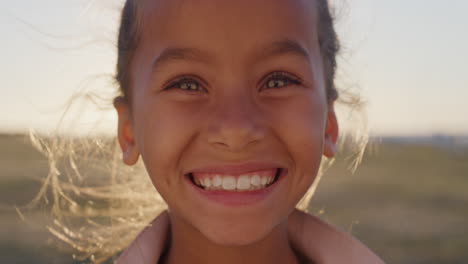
[(304, 230)]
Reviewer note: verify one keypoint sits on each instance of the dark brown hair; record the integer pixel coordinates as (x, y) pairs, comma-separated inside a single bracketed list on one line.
[(129, 36)]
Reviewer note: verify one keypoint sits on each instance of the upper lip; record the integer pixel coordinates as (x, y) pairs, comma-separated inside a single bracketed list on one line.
[(237, 169)]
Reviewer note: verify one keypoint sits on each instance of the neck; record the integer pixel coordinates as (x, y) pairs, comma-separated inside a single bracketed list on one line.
[(188, 245)]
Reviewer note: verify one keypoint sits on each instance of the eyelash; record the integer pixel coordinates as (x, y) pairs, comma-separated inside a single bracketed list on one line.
[(183, 80), (286, 78), (273, 79)]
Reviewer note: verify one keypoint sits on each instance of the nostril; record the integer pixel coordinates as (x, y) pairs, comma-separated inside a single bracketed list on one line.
[(235, 132)]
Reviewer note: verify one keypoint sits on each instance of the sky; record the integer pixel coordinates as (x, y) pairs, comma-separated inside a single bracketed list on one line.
[(407, 58)]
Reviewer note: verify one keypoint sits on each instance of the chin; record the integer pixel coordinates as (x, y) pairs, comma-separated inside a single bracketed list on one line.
[(236, 234)]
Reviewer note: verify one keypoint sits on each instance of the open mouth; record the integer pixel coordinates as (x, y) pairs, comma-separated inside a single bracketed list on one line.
[(241, 183)]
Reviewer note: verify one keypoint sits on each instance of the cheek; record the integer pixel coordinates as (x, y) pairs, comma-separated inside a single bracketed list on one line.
[(163, 132), (300, 125)]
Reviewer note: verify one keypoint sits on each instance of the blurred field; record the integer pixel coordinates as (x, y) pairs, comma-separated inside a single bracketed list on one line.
[(408, 202)]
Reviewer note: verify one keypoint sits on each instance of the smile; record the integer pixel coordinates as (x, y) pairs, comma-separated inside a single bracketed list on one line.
[(247, 182)]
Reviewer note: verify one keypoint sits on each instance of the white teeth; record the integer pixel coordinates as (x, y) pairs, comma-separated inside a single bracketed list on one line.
[(217, 181), (243, 183), (270, 180), (207, 182), (255, 180), (229, 183), (247, 182)]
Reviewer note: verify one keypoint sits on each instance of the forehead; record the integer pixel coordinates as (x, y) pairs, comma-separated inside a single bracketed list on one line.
[(227, 27)]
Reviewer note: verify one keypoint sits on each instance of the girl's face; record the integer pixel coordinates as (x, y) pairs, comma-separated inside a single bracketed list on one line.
[(230, 95)]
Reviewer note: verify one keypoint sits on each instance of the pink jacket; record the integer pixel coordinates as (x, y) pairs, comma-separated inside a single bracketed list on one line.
[(335, 247)]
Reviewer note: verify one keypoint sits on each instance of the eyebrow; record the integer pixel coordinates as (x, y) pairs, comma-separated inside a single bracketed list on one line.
[(182, 54), (277, 48), (282, 47)]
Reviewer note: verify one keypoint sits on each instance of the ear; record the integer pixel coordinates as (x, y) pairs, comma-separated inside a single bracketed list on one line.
[(331, 133), (125, 132)]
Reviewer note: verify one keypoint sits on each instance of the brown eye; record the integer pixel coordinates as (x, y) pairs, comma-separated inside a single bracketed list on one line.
[(192, 86), (280, 80), (186, 84), (276, 83)]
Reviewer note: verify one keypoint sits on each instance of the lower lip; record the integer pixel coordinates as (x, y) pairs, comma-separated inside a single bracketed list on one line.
[(239, 198)]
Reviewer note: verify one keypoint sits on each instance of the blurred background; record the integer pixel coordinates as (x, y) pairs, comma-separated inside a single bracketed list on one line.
[(408, 200)]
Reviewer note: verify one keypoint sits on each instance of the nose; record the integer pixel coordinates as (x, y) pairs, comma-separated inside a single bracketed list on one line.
[(236, 123)]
